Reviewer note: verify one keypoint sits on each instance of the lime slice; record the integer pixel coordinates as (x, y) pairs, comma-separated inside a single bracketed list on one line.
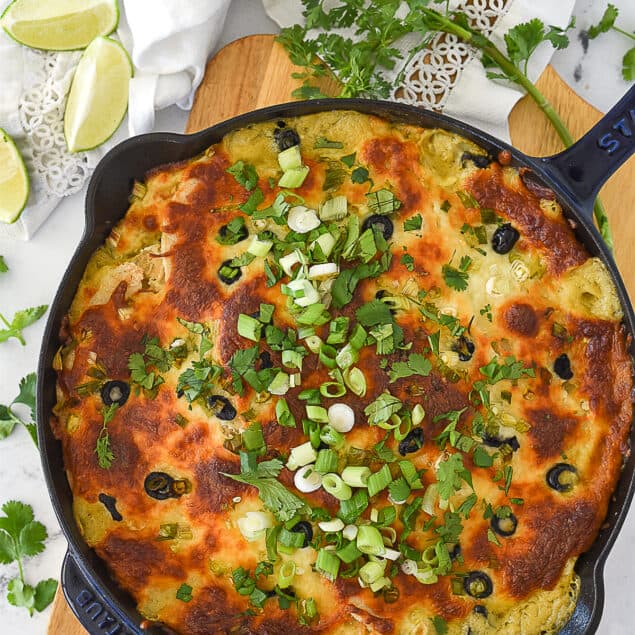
[(14, 180), (59, 25), (98, 97)]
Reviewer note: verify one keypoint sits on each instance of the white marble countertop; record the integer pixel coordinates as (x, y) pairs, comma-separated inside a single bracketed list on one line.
[(36, 268)]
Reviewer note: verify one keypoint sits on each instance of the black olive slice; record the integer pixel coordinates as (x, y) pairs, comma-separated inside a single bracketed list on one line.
[(286, 138), (221, 407), (479, 609), (496, 442), (115, 392), (562, 477), (233, 237), (478, 584), (562, 367), (504, 526), (455, 552), (479, 160), (380, 294), (158, 485), (265, 360), (465, 348), (304, 527), (412, 442), (504, 239), (229, 273), (381, 222), (110, 503)]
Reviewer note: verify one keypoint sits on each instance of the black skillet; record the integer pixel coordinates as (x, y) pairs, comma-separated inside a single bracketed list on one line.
[(575, 175)]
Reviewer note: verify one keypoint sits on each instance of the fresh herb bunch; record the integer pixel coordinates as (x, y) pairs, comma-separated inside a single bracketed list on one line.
[(9, 419), (22, 536), (361, 64), (607, 23)]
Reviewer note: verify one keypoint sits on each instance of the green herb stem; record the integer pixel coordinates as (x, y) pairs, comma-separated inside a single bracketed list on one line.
[(623, 32)]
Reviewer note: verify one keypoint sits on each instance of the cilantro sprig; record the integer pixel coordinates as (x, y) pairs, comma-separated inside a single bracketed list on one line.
[(9, 418), (20, 321), (22, 536), (607, 23)]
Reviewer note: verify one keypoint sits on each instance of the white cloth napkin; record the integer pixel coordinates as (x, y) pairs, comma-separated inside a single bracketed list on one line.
[(472, 97), (169, 42)]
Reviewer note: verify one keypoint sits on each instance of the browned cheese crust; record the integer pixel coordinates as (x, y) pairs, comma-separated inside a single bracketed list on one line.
[(543, 299)]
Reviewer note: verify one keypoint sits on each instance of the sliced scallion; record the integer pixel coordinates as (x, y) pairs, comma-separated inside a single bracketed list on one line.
[(294, 177), (253, 439), (317, 413), (259, 248), (327, 461), (327, 355), (328, 564), (307, 479), (349, 552), (292, 359), (331, 437), (342, 417), (301, 455), (334, 208), (336, 487), (351, 509), (284, 415), (370, 541), (279, 384), (293, 539), (286, 574), (372, 571), (355, 380), (290, 158), (418, 414), (379, 480), (347, 356), (332, 389), (331, 526), (313, 343), (249, 327), (356, 476), (358, 337)]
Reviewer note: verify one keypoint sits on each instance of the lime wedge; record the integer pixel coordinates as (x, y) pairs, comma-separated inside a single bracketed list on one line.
[(98, 97), (14, 180), (59, 25)]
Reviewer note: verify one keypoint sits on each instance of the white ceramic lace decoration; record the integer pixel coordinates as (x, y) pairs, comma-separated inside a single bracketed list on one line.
[(433, 72), (54, 170)]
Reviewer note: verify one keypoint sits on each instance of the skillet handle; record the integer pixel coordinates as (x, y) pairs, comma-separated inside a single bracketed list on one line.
[(583, 168), (93, 611)]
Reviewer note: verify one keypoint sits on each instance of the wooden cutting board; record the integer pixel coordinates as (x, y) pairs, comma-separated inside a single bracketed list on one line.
[(255, 72)]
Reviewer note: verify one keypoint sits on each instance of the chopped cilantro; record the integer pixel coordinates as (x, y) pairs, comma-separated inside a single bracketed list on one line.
[(245, 174), (417, 364), (184, 593), (450, 474), (455, 278), (408, 262), (413, 223), (359, 175), (348, 160)]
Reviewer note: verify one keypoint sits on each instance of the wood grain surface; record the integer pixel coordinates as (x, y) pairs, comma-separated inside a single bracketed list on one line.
[(255, 72)]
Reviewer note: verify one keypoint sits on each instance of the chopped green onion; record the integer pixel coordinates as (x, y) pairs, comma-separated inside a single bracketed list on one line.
[(351, 509), (418, 413), (355, 379), (259, 248), (403, 429), (266, 313), (327, 355), (271, 542), (342, 417), (317, 413), (338, 328), (287, 262), (410, 473), (292, 359), (311, 396), (335, 208), (379, 480), (305, 331), (307, 479), (356, 476), (430, 499), (280, 384), (312, 430), (249, 327), (349, 552), (347, 356), (253, 524), (336, 487), (290, 158), (378, 585), (328, 564), (332, 389), (325, 243), (350, 532), (253, 439), (372, 571), (429, 556), (286, 573), (302, 220), (331, 526), (307, 611), (327, 461), (293, 539), (284, 415), (301, 455), (314, 315), (370, 541), (294, 177), (331, 437)]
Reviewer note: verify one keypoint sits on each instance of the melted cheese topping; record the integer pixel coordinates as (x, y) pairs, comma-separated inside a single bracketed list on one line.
[(543, 299)]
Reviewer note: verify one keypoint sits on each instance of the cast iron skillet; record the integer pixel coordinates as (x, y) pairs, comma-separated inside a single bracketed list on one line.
[(575, 175)]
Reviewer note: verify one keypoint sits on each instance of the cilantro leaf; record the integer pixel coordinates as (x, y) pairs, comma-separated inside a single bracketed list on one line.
[(3, 265), (509, 368), (21, 594), (606, 23), (450, 475), (44, 594), (184, 593), (399, 489), (628, 65), (360, 175), (413, 223), (417, 364), (440, 625), (27, 393), (408, 262), (451, 528), (380, 410), (245, 174), (20, 321), (8, 421), (455, 278)]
